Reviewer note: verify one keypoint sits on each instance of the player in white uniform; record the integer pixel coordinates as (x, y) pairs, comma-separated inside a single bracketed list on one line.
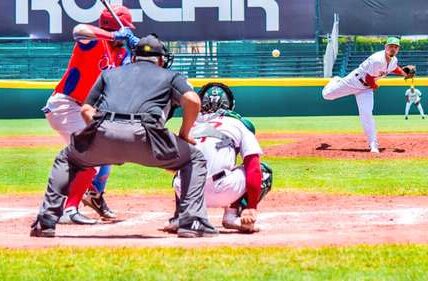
[(413, 96), (361, 82), (221, 135)]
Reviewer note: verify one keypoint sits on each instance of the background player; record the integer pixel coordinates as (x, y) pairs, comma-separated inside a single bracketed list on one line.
[(220, 135), (361, 82), (413, 96), (95, 49)]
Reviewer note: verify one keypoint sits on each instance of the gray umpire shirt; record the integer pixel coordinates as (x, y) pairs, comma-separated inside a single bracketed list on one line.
[(156, 91)]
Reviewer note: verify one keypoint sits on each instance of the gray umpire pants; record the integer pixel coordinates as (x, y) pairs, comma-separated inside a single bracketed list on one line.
[(118, 142)]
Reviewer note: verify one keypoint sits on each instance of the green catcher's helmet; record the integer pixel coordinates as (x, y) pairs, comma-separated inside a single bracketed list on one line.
[(216, 96)]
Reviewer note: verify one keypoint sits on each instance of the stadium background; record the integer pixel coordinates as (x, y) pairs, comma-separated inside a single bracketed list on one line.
[(32, 52), (322, 168)]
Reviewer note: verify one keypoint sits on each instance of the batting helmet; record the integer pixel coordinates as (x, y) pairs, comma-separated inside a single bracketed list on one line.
[(216, 96), (108, 22)]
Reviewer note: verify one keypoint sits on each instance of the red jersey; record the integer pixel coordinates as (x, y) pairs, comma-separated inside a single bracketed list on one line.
[(85, 65)]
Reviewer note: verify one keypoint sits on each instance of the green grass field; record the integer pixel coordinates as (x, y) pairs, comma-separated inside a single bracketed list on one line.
[(25, 170), (395, 262), (340, 124)]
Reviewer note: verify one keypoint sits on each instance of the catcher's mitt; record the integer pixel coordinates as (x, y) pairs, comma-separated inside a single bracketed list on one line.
[(410, 71)]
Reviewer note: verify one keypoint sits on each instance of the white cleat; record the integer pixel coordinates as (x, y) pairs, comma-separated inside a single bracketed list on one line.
[(72, 215), (231, 220), (374, 147)]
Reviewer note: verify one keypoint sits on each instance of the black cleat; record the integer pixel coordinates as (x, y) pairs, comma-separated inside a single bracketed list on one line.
[(196, 228), (96, 201), (171, 226)]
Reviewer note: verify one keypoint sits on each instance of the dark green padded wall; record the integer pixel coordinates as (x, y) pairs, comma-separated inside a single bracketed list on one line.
[(251, 101)]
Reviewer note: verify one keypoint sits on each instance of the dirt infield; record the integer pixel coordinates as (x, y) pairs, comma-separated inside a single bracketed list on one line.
[(353, 146), (286, 219), (31, 141)]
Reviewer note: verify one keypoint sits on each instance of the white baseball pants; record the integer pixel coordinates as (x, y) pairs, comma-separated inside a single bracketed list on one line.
[(222, 192), (63, 115), (342, 87)]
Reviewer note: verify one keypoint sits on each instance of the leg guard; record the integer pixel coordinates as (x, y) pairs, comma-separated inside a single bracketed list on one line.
[(267, 181)]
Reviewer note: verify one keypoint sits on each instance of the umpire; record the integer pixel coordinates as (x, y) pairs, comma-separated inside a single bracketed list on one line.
[(126, 112)]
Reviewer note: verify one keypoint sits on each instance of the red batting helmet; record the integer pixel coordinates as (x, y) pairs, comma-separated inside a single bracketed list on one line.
[(108, 22)]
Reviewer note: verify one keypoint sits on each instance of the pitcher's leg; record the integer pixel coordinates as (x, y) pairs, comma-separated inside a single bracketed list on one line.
[(365, 102), (336, 89)]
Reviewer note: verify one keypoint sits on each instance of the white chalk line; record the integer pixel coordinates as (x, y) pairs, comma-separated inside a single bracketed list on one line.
[(397, 216), (15, 213), (400, 216)]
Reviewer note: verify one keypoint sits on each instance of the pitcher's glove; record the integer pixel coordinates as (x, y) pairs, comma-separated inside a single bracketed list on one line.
[(410, 71)]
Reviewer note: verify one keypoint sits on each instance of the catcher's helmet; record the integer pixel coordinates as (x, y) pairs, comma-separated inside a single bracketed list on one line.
[(216, 96)]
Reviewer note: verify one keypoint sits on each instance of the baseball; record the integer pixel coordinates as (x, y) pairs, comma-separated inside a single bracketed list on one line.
[(276, 53)]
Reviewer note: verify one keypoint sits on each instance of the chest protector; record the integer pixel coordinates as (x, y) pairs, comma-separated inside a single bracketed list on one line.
[(206, 130)]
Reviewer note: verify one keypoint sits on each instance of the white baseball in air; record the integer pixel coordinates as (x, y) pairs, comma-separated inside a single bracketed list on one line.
[(276, 53)]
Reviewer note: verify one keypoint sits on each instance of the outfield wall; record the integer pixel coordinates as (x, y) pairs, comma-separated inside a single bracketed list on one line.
[(254, 97)]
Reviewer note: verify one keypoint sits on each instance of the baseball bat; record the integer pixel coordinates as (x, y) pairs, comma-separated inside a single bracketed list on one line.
[(109, 8)]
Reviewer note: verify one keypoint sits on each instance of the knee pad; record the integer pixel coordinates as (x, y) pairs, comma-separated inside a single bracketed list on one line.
[(267, 179)]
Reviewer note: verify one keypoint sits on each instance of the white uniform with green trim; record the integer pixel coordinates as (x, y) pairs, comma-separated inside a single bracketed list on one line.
[(375, 66)]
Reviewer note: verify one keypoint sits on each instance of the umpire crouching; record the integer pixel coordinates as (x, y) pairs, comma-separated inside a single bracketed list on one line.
[(133, 103)]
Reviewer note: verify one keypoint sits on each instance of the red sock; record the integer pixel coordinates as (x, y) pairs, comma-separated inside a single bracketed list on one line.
[(78, 186)]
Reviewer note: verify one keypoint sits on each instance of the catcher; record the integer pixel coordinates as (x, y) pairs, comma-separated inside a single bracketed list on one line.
[(221, 135), (413, 96), (361, 83)]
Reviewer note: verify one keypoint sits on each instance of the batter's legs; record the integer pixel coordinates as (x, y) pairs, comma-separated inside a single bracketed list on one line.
[(65, 118)]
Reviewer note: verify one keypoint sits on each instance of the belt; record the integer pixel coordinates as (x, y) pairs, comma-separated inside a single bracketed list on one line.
[(362, 81), (218, 176), (112, 116)]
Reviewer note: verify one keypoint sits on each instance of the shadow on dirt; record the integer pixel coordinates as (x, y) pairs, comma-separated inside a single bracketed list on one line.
[(130, 236)]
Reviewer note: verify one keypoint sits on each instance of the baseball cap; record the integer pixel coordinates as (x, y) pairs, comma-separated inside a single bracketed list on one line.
[(150, 46), (393, 41)]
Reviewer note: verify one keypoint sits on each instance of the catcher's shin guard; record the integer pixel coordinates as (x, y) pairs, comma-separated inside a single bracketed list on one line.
[(267, 180)]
